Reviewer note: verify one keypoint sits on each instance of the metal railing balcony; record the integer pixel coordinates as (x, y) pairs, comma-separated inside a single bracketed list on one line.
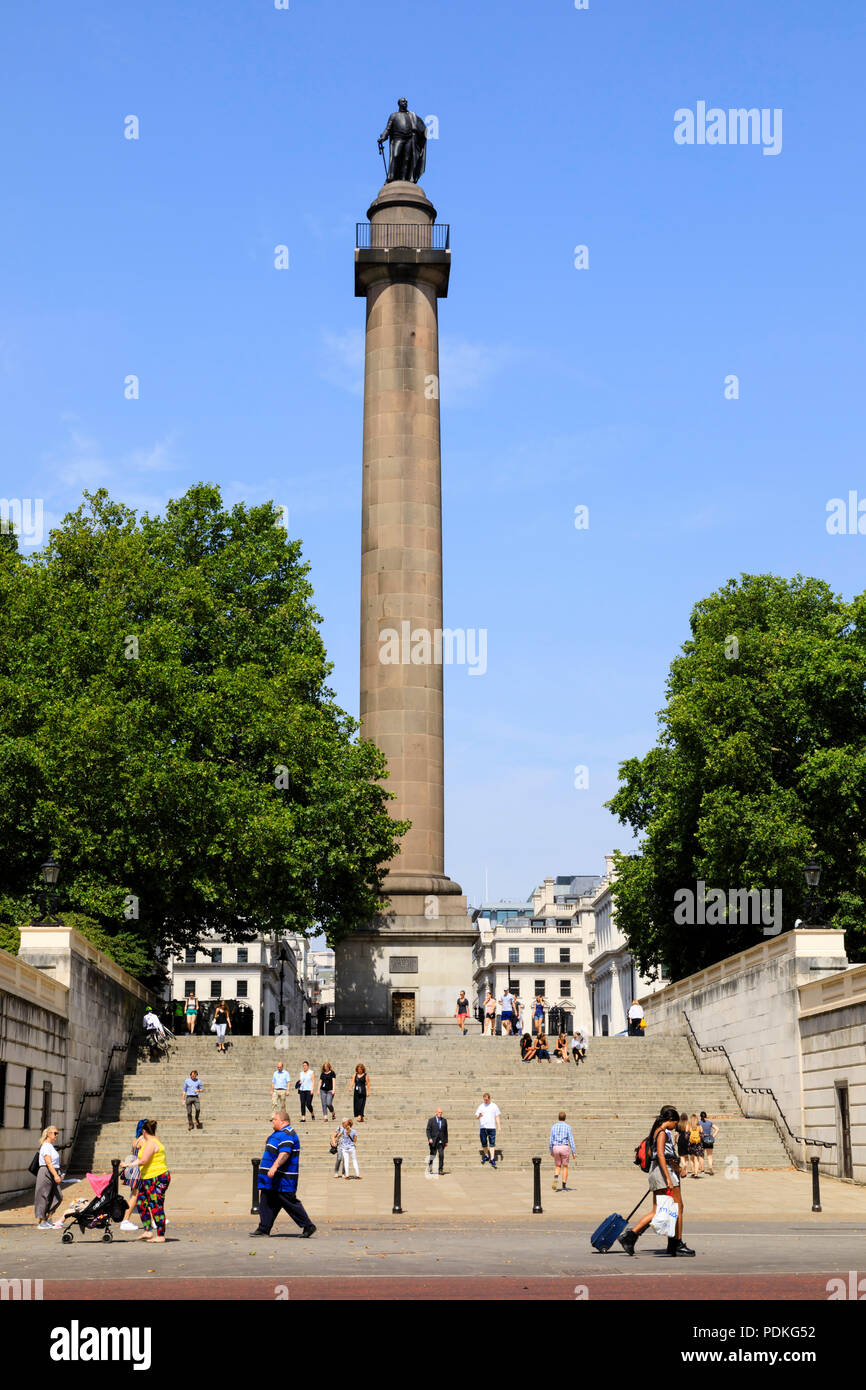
[(403, 236)]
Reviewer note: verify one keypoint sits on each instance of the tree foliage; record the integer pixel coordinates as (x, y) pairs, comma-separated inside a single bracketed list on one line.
[(166, 730), (760, 764)]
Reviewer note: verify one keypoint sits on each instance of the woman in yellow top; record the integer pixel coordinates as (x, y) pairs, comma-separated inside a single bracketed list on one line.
[(696, 1147), (155, 1179)]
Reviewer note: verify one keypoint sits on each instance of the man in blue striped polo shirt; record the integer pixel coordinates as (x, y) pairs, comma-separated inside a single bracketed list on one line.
[(562, 1148), (278, 1178)]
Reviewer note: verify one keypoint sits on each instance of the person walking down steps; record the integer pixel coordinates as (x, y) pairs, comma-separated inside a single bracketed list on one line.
[(360, 1091), (191, 1095), (437, 1139), (304, 1088), (345, 1139), (280, 1089)]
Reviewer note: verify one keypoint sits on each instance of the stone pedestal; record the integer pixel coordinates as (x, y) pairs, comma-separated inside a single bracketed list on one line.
[(422, 948)]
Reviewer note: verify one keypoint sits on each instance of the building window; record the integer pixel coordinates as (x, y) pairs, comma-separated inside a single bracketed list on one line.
[(538, 955), (189, 956), (28, 1094), (2, 1094), (243, 955), (216, 955), (188, 987), (513, 986), (565, 989), (242, 989), (513, 955), (539, 988), (215, 989), (46, 1104), (565, 955)]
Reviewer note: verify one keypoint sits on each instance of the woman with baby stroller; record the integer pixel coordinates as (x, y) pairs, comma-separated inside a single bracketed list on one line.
[(106, 1206)]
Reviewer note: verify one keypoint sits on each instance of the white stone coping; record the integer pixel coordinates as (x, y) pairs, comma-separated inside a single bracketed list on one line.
[(803, 941), (67, 939), (26, 982), (833, 992)]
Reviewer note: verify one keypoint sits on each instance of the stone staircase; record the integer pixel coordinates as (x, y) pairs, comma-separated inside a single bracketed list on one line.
[(610, 1101)]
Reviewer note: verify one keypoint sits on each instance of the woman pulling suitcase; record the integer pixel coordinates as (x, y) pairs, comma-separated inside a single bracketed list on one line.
[(663, 1176)]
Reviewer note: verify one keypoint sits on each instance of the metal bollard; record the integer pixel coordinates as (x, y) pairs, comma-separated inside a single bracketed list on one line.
[(397, 1209), (536, 1187), (816, 1189), (254, 1209)]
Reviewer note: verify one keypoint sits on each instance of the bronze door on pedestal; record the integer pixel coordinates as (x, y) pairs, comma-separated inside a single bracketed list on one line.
[(402, 1013)]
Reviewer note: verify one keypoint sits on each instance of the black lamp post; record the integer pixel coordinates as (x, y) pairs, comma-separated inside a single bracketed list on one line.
[(813, 905), (283, 959), (50, 872)]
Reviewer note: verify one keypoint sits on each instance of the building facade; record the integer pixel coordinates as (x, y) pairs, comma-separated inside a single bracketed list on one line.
[(540, 946), (264, 980), (613, 979), (320, 981)]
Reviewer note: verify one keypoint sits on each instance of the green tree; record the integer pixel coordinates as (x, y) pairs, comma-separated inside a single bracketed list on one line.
[(761, 763), (166, 730)]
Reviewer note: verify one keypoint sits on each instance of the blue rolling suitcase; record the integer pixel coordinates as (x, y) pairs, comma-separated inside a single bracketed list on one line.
[(611, 1228)]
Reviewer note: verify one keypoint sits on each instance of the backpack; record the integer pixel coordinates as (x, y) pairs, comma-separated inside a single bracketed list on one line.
[(644, 1153)]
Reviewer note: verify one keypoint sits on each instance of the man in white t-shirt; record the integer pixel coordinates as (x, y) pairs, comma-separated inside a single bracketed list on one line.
[(635, 1014), (488, 1116), (578, 1045)]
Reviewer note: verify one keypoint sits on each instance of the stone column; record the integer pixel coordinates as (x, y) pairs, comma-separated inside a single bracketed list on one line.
[(401, 273), (401, 540)]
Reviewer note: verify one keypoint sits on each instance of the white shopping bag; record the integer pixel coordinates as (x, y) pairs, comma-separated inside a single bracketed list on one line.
[(664, 1221)]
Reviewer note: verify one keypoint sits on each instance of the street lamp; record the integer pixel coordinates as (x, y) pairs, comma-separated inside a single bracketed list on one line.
[(283, 959), (50, 872), (813, 906)]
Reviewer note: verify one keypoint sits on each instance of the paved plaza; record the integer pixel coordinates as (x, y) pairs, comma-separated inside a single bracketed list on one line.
[(756, 1238)]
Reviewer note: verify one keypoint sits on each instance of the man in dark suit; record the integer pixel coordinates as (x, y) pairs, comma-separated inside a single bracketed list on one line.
[(437, 1138)]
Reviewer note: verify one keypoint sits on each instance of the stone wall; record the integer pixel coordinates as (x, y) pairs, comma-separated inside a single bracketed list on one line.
[(64, 1007), (750, 1003), (833, 1037), (33, 1036)]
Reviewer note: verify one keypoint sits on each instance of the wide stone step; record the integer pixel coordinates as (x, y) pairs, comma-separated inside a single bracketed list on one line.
[(609, 1100)]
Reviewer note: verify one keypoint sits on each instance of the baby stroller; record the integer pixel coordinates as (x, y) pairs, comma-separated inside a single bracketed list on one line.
[(98, 1214)]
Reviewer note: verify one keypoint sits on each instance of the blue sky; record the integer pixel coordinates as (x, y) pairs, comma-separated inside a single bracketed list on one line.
[(560, 387)]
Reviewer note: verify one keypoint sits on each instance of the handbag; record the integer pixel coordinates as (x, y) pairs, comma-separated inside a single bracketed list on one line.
[(664, 1221), (213, 1027), (333, 1148), (33, 1165)]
